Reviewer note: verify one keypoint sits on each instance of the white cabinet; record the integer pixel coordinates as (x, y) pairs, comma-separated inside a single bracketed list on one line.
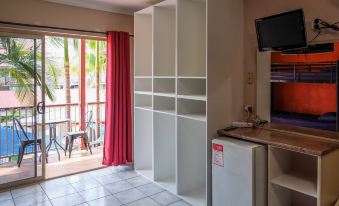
[(183, 106)]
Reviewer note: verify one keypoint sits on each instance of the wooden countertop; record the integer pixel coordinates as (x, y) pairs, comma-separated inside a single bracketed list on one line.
[(285, 140)]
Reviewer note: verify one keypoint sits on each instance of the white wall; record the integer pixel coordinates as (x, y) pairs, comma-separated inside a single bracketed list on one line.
[(50, 14)]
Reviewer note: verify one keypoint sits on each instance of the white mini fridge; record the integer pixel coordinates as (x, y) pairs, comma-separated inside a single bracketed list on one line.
[(239, 173)]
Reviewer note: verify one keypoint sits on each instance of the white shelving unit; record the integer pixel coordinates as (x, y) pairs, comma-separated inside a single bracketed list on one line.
[(143, 98), (176, 91)]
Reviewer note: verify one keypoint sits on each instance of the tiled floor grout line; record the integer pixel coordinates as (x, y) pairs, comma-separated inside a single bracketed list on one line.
[(10, 192), (92, 176)]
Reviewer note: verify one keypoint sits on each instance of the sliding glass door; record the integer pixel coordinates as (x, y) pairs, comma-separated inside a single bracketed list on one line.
[(22, 89)]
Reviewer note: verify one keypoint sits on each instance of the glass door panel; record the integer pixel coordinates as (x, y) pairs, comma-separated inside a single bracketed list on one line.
[(21, 124)]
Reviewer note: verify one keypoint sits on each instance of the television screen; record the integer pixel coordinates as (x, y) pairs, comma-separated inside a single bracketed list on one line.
[(282, 31)]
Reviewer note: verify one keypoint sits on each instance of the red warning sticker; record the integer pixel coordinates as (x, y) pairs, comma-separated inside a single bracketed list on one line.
[(218, 154)]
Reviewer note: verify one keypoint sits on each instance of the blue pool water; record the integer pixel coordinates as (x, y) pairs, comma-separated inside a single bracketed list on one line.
[(8, 141), (10, 145)]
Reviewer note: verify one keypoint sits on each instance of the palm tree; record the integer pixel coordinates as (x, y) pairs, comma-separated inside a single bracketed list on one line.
[(67, 82), (97, 87), (17, 60), (96, 64), (59, 42)]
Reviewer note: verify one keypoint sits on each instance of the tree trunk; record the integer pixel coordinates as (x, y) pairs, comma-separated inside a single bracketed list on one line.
[(97, 89), (67, 83)]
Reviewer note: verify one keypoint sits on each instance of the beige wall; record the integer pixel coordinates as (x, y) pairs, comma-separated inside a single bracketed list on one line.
[(57, 15), (327, 10)]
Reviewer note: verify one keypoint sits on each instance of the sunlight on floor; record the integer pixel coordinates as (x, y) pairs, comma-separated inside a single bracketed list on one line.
[(81, 160)]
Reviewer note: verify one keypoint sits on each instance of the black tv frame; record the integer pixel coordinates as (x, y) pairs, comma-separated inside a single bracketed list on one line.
[(287, 47)]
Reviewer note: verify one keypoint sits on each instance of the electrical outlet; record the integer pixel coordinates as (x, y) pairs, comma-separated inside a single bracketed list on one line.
[(315, 24)]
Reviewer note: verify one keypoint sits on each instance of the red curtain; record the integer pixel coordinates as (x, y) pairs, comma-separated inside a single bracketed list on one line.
[(118, 131)]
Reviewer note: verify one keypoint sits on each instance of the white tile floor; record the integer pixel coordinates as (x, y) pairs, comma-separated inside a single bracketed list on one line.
[(112, 186)]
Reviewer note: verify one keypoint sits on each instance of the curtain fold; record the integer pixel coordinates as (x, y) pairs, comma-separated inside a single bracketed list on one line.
[(118, 122)]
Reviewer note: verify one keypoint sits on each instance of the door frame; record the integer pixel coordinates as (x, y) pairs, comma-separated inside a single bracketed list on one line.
[(34, 36)]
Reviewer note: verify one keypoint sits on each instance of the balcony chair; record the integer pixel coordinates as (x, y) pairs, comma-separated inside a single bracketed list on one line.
[(100, 139), (71, 136), (25, 141)]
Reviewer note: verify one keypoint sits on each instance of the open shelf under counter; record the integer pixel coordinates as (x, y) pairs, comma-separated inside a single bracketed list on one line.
[(193, 97), (297, 182), (196, 197)]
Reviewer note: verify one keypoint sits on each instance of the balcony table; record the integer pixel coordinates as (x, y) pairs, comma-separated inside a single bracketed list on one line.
[(52, 124)]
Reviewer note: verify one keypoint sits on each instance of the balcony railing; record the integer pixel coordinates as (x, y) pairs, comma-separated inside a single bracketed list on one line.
[(9, 142)]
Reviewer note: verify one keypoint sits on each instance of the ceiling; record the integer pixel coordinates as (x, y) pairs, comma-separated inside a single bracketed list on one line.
[(115, 6)]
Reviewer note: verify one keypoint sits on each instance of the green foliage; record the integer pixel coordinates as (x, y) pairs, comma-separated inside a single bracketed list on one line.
[(11, 114), (95, 58), (18, 58)]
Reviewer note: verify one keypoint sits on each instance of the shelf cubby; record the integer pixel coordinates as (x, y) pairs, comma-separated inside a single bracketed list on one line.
[(164, 147), (191, 40), (164, 104), (192, 88), (292, 175), (192, 109), (143, 84), (286, 197), (143, 101), (191, 148), (143, 43), (164, 41), (164, 86), (143, 137)]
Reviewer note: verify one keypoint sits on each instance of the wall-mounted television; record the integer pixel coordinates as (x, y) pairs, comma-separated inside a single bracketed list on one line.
[(281, 32)]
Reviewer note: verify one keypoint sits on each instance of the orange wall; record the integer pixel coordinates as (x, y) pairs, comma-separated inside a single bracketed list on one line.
[(306, 98), (277, 57)]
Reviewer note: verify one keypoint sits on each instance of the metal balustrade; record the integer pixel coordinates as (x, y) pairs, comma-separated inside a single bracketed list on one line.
[(9, 145)]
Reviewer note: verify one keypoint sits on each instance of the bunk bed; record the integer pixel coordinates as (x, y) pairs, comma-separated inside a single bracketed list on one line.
[(318, 72)]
